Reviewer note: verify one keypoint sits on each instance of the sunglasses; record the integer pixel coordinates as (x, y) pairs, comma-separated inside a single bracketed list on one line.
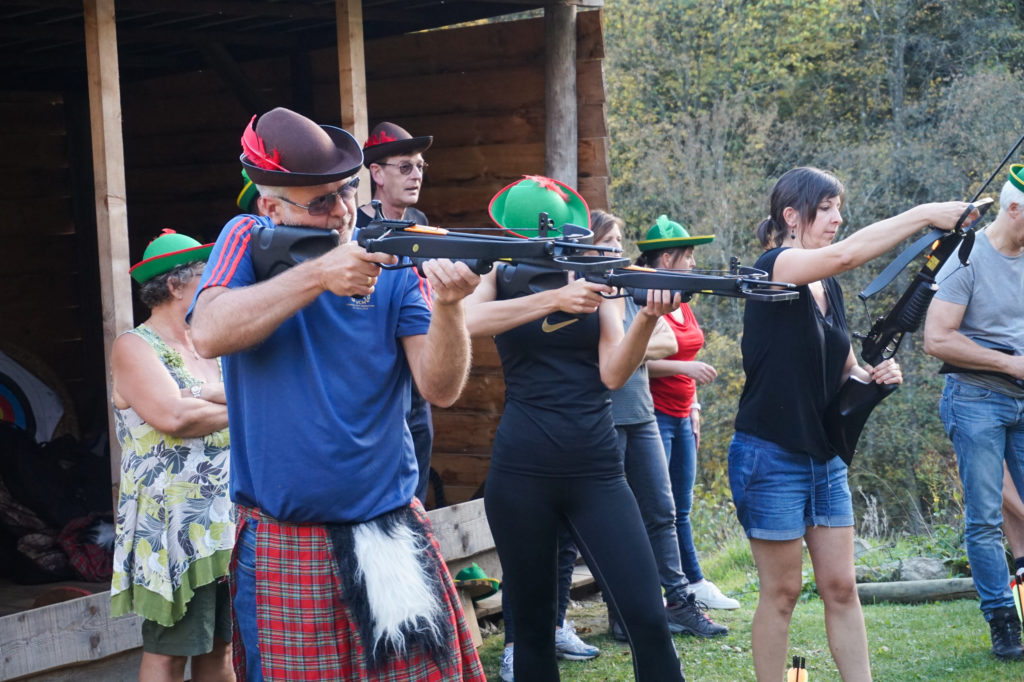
[(323, 205), (406, 166)]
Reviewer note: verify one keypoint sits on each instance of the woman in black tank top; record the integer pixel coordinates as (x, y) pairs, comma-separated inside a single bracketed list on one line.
[(788, 484), (555, 457)]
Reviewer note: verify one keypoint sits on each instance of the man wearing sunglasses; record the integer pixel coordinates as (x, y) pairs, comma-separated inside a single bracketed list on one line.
[(395, 161), (335, 573)]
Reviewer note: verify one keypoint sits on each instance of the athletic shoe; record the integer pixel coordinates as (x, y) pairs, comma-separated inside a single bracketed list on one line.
[(687, 616), (570, 647), (708, 594), (506, 665)]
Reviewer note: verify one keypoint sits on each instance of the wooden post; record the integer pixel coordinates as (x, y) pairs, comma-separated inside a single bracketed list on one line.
[(352, 78), (108, 172), (560, 130)]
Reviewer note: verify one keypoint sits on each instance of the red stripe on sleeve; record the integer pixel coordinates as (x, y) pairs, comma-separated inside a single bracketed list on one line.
[(234, 247)]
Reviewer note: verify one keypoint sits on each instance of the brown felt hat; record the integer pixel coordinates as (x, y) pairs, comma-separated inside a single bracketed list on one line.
[(286, 149), (390, 139)]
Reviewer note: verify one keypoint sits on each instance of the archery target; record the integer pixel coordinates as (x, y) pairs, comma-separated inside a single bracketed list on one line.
[(14, 405)]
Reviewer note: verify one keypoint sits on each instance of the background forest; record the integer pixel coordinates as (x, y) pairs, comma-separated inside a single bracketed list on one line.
[(906, 101)]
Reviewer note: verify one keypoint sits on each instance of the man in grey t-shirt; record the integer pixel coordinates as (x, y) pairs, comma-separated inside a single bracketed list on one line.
[(975, 324)]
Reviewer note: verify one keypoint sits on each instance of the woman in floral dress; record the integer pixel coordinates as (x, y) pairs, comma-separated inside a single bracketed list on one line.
[(175, 524)]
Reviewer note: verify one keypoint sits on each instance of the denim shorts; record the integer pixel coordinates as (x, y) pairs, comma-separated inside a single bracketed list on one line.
[(779, 493)]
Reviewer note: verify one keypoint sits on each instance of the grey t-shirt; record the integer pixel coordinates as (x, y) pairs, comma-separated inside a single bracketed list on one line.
[(632, 404), (992, 288)]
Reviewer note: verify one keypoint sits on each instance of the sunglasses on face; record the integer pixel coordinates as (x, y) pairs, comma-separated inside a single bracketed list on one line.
[(322, 205), (406, 166)]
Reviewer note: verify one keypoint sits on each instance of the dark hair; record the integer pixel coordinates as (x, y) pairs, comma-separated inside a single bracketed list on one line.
[(649, 259), (802, 189), (601, 223), (155, 291)]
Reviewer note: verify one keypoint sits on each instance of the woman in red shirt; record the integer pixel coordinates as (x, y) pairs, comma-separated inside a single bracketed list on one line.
[(674, 383)]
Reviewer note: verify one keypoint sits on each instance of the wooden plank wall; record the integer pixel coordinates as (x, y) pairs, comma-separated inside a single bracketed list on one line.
[(478, 90), (45, 273)]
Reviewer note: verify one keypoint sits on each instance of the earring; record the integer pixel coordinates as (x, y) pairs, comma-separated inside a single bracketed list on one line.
[(792, 234)]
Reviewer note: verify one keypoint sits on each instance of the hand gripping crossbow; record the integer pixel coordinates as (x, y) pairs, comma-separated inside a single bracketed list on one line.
[(849, 409)]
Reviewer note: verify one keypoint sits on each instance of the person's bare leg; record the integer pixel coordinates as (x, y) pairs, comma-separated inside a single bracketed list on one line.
[(778, 570), (831, 552), (215, 666), (1013, 515), (161, 668)]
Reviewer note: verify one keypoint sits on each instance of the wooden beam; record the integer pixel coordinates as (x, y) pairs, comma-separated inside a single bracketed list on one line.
[(108, 180), (560, 130), (352, 78)]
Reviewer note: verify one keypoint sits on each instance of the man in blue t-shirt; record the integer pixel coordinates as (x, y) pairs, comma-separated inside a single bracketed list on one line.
[(974, 326), (317, 362)]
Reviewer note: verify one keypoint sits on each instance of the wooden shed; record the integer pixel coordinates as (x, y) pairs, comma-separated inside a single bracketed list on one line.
[(122, 117)]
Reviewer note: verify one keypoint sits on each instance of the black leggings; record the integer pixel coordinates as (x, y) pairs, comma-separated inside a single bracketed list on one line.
[(524, 513)]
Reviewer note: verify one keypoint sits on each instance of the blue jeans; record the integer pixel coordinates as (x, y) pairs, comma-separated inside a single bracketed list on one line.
[(245, 600), (681, 451), (647, 474), (985, 428)]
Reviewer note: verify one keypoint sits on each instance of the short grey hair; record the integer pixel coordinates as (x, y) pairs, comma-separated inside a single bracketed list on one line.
[(1011, 194), (158, 290)]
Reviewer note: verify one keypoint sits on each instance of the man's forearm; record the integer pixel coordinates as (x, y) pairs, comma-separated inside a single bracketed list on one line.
[(230, 320), (446, 356)]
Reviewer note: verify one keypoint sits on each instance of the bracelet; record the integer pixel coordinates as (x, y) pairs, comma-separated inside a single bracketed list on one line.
[(197, 390), (695, 406)]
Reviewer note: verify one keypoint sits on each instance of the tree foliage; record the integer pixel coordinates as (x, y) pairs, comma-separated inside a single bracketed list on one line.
[(906, 101)]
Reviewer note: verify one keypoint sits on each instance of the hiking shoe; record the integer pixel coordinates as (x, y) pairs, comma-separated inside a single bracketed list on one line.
[(613, 625), (570, 647), (708, 593), (1005, 627), (688, 616)]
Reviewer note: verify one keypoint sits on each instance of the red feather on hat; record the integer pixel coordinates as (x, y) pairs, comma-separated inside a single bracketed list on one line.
[(252, 146), (379, 138), (548, 184)]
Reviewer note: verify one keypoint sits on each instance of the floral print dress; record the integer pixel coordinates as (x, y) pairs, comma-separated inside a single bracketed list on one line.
[(175, 522)]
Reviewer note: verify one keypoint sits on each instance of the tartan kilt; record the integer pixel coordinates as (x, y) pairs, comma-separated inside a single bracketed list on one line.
[(306, 631)]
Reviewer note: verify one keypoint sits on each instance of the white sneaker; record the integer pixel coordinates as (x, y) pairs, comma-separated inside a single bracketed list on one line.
[(506, 664), (708, 594), (569, 646)]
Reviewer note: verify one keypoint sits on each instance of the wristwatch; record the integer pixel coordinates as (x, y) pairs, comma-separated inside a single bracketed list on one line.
[(197, 390)]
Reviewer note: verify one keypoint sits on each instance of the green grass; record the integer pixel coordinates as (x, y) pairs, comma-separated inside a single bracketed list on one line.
[(935, 641)]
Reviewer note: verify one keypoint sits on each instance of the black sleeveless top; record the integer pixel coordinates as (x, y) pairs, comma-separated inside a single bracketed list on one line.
[(557, 419), (793, 357)]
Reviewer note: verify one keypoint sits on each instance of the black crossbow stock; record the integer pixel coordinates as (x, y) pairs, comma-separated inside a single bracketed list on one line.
[(849, 409), (539, 260)]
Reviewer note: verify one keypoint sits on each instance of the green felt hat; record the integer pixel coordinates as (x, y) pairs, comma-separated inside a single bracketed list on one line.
[(247, 197), (1017, 176), (167, 252), (476, 583), (668, 234), (517, 206)]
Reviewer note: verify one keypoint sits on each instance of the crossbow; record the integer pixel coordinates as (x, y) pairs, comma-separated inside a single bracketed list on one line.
[(848, 411), (276, 248), (279, 247)]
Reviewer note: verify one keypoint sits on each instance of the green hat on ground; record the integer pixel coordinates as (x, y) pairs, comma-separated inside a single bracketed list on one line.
[(473, 579), (1017, 176), (247, 197), (668, 234), (517, 206), (167, 252)]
